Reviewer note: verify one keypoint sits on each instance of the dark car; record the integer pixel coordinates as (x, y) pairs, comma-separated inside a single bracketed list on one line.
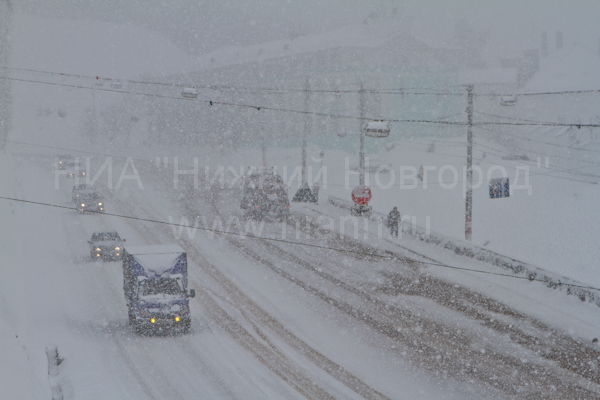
[(75, 168), (90, 201), (81, 190), (107, 246), (63, 159)]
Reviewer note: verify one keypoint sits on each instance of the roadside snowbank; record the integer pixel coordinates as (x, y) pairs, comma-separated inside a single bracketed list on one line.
[(462, 248)]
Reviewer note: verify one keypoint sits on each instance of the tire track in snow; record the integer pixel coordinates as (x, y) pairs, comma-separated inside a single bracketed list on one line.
[(379, 318), (264, 318), (157, 380), (532, 373), (145, 384), (274, 361), (569, 353)]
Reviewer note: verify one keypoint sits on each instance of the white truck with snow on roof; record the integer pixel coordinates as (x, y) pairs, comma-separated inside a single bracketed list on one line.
[(155, 286)]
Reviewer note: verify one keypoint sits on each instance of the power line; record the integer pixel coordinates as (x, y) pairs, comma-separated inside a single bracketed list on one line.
[(513, 119), (552, 144), (216, 87), (214, 102), (487, 162), (568, 170), (393, 91), (399, 91), (99, 78), (94, 88), (80, 151), (341, 250), (259, 108), (549, 155), (233, 233), (189, 166), (152, 161)]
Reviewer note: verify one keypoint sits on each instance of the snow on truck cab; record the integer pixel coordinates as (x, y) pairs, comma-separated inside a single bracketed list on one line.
[(155, 286)]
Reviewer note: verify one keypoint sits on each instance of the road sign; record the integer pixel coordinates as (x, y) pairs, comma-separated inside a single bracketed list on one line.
[(361, 195), (499, 188), (378, 129)]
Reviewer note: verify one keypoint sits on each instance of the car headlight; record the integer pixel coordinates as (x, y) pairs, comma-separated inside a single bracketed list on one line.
[(83, 173), (97, 249), (117, 248), (99, 204), (82, 205)]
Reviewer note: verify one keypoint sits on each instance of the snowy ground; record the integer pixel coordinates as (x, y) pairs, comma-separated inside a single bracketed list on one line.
[(272, 319), (281, 320)]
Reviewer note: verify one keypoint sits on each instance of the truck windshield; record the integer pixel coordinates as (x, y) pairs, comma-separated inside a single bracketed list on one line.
[(159, 286), (105, 236)]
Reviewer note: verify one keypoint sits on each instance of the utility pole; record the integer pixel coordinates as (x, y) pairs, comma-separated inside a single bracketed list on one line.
[(469, 195), (306, 126), (304, 194), (262, 126), (93, 127), (5, 84), (361, 155)]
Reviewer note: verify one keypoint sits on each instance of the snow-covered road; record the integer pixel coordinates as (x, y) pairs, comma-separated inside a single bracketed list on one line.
[(272, 319)]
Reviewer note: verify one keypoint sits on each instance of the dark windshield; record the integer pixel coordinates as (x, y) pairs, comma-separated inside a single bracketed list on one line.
[(159, 286), (91, 197), (105, 236)]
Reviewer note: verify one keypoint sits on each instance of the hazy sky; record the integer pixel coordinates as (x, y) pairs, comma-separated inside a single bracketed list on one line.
[(201, 26)]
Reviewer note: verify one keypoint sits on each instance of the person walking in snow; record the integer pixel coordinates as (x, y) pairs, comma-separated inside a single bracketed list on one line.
[(393, 221), (315, 190)]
